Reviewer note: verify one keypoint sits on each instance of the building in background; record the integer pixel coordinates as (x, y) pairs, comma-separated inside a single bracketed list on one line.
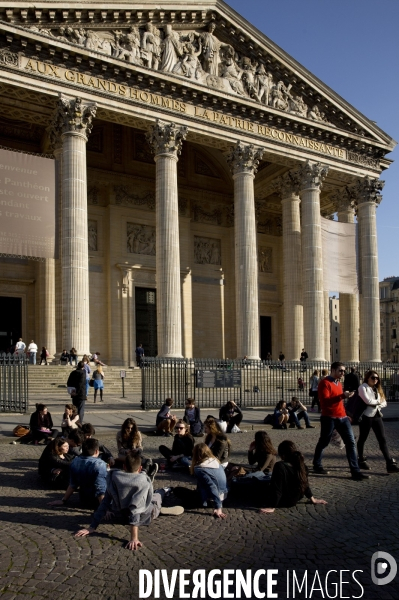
[(335, 329), (389, 309), (195, 159)]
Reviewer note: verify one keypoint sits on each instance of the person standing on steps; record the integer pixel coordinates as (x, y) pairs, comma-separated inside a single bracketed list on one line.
[(32, 350), (98, 376), (373, 396), (333, 415), (139, 355)]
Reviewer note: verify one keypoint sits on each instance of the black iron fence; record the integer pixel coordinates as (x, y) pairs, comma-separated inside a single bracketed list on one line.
[(213, 382), (13, 383)]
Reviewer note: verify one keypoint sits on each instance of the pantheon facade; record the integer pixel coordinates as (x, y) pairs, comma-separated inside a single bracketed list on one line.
[(195, 159)]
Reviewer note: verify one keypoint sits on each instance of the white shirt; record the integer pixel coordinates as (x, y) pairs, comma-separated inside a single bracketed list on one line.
[(374, 404), (32, 348), (20, 346)]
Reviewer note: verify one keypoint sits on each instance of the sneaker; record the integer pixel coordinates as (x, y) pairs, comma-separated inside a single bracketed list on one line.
[(320, 471), (392, 467), (152, 471), (300, 427), (167, 490), (174, 511), (363, 465), (310, 427), (358, 476)]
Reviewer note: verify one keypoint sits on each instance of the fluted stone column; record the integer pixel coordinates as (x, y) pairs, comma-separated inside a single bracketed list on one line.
[(57, 144), (73, 120), (327, 326), (348, 303), (288, 186), (312, 175), (243, 160), (166, 140), (47, 332), (368, 196)]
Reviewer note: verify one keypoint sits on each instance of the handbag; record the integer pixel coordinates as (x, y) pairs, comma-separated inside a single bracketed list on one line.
[(91, 383), (21, 430)]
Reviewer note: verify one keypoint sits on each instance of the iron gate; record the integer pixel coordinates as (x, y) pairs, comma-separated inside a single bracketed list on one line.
[(263, 383), (13, 383)]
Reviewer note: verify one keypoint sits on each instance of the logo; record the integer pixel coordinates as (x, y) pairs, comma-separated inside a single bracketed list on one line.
[(383, 563)]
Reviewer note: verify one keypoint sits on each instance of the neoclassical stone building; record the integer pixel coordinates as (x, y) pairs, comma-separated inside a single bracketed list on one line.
[(195, 159)]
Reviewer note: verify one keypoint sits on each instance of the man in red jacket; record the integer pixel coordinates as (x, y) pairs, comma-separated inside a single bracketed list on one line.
[(333, 416)]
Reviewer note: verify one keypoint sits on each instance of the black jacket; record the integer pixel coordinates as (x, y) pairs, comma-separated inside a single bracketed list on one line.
[(351, 382), (49, 461), (183, 445), (284, 490), (36, 422), (224, 413), (77, 379), (220, 447)]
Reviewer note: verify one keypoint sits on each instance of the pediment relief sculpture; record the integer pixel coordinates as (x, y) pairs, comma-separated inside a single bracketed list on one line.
[(196, 55)]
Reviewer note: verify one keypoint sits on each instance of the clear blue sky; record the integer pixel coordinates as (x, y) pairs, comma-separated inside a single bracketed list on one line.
[(353, 46)]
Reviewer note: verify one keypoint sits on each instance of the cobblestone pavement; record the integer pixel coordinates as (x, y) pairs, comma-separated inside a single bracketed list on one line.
[(40, 558)]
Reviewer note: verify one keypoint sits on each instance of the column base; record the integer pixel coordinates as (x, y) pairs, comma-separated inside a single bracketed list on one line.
[(170, 356)]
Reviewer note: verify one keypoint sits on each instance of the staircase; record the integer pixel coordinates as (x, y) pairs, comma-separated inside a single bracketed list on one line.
[(48, 383)]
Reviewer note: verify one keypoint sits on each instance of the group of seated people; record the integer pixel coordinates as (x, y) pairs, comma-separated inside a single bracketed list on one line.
[(291, 414), (123, 485)]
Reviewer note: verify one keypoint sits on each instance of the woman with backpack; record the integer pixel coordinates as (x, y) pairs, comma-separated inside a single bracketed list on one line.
[(289, 481), (373, 396)]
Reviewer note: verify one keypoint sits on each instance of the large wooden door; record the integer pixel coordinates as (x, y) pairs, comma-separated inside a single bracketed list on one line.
[(10, 322)]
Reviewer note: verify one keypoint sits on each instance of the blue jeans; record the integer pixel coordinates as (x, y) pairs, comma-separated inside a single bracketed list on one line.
[(296, 417), (32, 358), (344, 428)]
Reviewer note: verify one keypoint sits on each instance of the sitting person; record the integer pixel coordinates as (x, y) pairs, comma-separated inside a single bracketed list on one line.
[(217, 441), (165, 420), (75, 440), (64, 358), (289, 481), (96, 360), (182, 447), (41, 425), (129, 493), (262, 452), (298, 411), (129, 439), (192, 416), (281, 415), (55, 462), (211, 482), (231, 414), (73, 356), (88, 432), (88, 476), (70, 420)]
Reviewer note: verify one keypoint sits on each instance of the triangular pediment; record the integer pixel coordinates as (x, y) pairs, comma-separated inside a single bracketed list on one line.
[(213, 49)]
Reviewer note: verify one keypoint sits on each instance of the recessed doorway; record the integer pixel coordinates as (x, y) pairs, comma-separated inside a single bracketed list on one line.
[(146, 320), (265, 337), (10, 322)]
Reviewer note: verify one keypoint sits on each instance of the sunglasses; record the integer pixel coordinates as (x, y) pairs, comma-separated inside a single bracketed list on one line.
[(179, 427), (341, 370), (374, 377)]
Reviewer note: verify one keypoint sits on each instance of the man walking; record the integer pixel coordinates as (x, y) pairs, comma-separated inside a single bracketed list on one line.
[(32, 350), (333, 416)]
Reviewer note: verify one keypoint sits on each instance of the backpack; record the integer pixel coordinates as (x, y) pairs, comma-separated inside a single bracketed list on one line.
[(355, 408), (21, 430)]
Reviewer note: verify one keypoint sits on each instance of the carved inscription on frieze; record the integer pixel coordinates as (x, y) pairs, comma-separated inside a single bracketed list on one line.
[(140, 239), (207, 251)]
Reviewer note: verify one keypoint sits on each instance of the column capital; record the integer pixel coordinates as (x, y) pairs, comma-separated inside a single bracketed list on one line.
[(244, 158), (368, 189), (166, 138), (343, 199), (288, 184), (312, 175), (72, 115)]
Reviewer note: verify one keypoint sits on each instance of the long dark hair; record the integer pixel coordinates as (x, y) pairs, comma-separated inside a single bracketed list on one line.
[(215, 431), (377, 386), (288, 452), (130, 438), (263, 443)]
